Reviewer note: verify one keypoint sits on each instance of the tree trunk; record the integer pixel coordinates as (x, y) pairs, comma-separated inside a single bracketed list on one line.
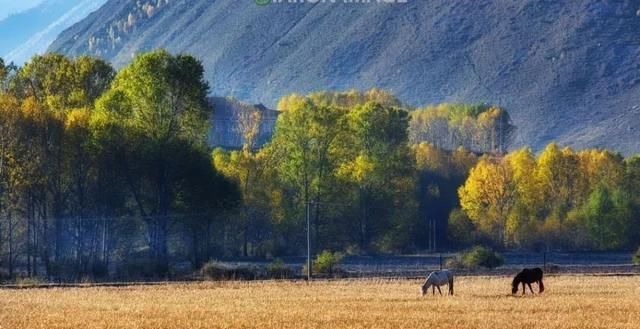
[(29, 237), (195, 242), (245, 242), (208, 241), (10, 219), (45, 239), (364, 229), (316, 224)]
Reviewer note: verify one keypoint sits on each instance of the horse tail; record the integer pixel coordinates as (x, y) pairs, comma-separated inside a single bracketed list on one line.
[(541, 284)]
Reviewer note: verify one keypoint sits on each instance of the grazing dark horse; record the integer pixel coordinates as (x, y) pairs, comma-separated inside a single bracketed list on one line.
[(527, 276)]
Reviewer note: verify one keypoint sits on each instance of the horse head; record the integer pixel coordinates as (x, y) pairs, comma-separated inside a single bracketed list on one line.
[(514, 286), (425, 287)]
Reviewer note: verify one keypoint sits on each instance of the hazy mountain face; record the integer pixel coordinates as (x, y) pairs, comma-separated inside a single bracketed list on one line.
[(30, 32), (566, 70), (9, 7)]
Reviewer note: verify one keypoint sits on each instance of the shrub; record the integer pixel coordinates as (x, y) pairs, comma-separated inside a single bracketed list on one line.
[(279, 270), (30, 281), (326, 262), (214, 270), (453, 263), (480, 256), (552, 268), (636, 257)]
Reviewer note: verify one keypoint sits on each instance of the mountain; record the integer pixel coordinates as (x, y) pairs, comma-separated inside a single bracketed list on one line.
[(10, 7), (566, 70), (227, 112), (30, 32)]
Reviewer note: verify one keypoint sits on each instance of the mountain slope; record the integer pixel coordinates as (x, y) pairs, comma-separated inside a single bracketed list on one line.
[(568, 71), (30, 32), (224, 122), (10, 7)]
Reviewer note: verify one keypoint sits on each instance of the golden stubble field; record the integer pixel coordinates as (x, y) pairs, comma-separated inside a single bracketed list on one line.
[(480, 302)]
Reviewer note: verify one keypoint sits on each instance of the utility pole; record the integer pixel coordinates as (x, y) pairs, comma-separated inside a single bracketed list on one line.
[(308, 241)]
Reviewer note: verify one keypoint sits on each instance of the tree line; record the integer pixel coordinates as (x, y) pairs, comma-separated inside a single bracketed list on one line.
[(558, 199), (99, 167), (106, 173), (480, 128), (360, 166)]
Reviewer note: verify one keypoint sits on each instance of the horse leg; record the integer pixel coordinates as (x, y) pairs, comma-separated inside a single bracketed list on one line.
[(530, 289), (433, 290), (440, 291), (524, 289)]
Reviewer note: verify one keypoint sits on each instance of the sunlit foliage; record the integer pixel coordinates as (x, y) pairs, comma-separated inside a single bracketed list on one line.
[(559, 199), (480, 128)]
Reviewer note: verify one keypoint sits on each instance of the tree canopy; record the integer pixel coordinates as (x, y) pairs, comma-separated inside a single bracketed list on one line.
[(106, 173)]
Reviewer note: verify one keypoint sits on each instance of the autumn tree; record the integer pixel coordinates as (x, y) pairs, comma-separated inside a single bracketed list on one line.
[(559, 199), (488, 196), (476, 127), (557, 174), (440, 173)]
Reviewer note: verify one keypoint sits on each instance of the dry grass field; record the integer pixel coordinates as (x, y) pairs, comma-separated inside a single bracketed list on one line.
[(480, 302)]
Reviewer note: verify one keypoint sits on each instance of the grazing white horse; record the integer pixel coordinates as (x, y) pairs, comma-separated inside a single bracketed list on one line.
[(437, 279)]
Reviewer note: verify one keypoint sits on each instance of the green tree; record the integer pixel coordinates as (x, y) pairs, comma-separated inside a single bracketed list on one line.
[(302, 147), (59, 93), (607, 217), (162, 101), (631, 186), (460, 228), (379, 164), (249, 170)]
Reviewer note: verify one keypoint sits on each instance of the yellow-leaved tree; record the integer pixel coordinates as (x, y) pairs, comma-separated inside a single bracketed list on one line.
[(488, 197)]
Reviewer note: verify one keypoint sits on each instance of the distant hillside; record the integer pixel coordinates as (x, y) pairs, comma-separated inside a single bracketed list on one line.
[(10, 7), (227, 113), (565, 70), (30, 32)]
